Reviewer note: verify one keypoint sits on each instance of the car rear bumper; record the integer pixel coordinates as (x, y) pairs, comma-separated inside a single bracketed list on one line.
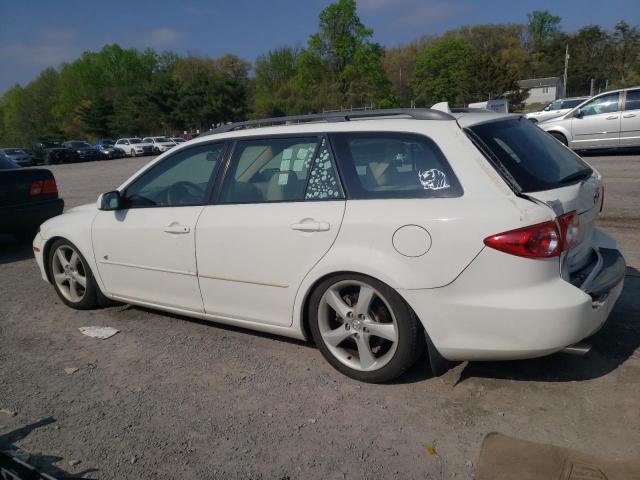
[(28, 216), (505, 308)]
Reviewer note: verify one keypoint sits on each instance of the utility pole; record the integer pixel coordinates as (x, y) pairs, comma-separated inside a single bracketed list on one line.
[(591, 90), (566, 67)]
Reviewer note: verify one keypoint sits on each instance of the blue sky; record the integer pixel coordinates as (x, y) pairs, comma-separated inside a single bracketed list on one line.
[(35, 34)]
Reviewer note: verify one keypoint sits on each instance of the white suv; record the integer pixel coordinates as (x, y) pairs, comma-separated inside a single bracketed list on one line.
[(375, 234)]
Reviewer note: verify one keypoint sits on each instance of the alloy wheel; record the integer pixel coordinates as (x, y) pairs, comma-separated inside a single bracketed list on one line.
[(357, 325), (69, 273)]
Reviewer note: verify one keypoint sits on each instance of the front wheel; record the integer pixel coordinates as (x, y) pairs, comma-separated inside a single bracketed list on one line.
[(560, 137), (133, 152), (72, 278), (364, 328)]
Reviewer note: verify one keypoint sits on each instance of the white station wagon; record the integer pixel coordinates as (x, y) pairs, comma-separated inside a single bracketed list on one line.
[(375, 234)]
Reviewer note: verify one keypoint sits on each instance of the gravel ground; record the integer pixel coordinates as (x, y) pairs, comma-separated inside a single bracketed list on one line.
[(170, 397)]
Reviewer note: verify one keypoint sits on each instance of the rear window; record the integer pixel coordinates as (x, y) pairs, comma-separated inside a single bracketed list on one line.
[(393, 165), (529, 158)]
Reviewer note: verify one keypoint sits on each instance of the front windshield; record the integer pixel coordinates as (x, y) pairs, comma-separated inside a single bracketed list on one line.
[(162, 140), (135, 140), (80, 145)]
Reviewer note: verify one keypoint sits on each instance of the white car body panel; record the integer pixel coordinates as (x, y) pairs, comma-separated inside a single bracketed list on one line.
[(244, 265)]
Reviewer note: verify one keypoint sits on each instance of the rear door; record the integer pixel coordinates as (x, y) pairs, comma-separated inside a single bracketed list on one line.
[(630, 122), (542, 169), (598, 126), (278, 212)]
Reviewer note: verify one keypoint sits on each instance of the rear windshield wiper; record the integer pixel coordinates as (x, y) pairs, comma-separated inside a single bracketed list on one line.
[(579, 175)]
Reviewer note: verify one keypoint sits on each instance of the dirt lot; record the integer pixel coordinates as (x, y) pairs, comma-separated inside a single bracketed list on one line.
[(169, 397)]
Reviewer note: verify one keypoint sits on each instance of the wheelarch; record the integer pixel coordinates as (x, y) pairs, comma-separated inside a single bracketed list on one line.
[(304, 321), (46, 251)]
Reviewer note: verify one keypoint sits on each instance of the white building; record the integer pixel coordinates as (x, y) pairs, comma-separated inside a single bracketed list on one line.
[(542, 90)]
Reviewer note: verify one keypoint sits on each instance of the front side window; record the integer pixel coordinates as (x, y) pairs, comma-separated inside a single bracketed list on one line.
[(603, 104), (572, 103), (394, 165), (179, 180), (633, 100), (278, 170), (557, 105)]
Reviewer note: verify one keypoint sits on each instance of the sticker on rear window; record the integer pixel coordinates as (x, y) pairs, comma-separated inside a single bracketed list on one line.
[(433, 179)]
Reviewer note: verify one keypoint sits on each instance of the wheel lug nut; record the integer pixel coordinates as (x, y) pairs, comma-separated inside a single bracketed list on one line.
[(347, 326), (361, 316), (350, 314)]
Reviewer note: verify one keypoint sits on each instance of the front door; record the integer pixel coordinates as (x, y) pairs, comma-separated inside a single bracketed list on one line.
[(146, 251), (599, 123), (630, 122), (279, 210)]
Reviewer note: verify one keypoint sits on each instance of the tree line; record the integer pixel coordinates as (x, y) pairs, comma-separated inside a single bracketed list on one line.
[(121, 92)]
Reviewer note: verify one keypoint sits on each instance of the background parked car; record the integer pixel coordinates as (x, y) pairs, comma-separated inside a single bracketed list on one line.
[(18, 155), (160, 144), (28, 197), (107, 149), (50, 152), (134, 146), (178, 140), (555, 109), (84, 151), (608, 120)]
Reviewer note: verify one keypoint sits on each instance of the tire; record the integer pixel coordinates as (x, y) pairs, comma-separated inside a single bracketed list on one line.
[(560, 137), (350, 338), (133, 152), (84, 298)]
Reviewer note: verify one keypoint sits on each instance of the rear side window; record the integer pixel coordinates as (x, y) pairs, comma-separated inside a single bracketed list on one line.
[(529, 158), (280, 170), (572, 103), (393, 165), (633, 100)]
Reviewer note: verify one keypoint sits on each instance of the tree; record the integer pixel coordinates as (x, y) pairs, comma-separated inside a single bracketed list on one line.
[(341, 67), (443, 72), (627, 47), (542, 26), (275, 90)]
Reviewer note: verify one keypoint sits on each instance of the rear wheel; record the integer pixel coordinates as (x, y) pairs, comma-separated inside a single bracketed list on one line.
[(560, 137), (364, 328)]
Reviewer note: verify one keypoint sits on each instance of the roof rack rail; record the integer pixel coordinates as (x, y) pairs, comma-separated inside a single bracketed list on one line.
[(415, 113)]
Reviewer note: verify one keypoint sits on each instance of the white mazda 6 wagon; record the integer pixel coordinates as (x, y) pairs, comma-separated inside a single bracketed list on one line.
[(376, 234)]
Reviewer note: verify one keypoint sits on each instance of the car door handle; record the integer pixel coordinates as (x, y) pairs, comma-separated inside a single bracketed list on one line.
[(629, 115), (311, 226), (613, 117), (177, 228)]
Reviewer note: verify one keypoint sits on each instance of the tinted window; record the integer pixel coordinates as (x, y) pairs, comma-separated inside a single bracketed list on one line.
[(269, 170), (179, 180), (572, 103), (633, 100), (531, 157), (604, 104), (557, 105), (394, 165)]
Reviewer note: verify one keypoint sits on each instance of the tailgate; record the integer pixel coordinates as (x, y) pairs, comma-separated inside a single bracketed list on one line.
[(584, 198)]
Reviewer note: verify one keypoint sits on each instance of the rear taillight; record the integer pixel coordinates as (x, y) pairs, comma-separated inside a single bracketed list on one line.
[(42, 187), (543, 240), (537, 241), (569, 229)]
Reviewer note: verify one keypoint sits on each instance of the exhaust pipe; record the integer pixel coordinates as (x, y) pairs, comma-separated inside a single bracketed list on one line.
[(578, 349)]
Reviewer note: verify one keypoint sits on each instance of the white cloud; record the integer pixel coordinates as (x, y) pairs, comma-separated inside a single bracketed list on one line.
[(163, 37), (52, 47), (414, 13)]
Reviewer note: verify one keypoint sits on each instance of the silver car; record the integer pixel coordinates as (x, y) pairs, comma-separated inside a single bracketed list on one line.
[(18, 155), (608, 120), (555, 109)]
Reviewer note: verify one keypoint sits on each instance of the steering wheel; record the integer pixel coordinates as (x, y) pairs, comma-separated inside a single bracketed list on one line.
[(184, 193)]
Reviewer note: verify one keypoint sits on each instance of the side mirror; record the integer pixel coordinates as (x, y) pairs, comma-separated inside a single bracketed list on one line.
[(579, 114), (110, 201)]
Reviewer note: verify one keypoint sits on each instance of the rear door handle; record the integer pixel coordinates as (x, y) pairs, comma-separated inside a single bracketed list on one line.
[(614, 117), (629, 115), (177, 228), (311, 226)]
